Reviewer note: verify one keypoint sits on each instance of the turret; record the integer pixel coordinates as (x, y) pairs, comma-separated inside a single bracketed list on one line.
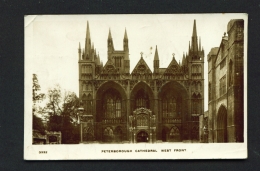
[(110, 45), (156, 61), (88, 44), (79, 51), (126, 42), (194, 43)]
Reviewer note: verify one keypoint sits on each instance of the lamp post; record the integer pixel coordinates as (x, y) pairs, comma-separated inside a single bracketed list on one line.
[(80, 113)]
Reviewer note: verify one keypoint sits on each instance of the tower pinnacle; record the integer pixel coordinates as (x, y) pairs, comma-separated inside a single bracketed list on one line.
[(194, 43), (88, 32), (194, 33), (109, 34), (125, 36), (156, 56)]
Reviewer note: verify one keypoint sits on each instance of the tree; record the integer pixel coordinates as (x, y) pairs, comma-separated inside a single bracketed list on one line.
[(36, 97), (62, 108), (35, 88)]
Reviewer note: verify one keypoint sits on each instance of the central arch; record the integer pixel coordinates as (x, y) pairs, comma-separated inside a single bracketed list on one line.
[(222, 124), (141, 96), (173, 112), (111, 112), (142, 136)]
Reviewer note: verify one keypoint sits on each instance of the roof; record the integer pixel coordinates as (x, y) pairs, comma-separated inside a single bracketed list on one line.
[(213, 51), (162, 70)]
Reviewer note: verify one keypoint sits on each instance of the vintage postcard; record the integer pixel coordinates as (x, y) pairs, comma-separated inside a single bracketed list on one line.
[(159, 86)]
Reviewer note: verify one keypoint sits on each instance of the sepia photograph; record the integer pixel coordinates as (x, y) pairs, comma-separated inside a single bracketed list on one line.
[(146, 86)]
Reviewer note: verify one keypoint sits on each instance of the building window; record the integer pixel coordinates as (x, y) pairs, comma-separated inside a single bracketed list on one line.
[(223, 63), (141, 100), (171, 106), (141, 120), (112, 105), (118, 62), (210, 95), (222, 85), (196, 104), (87, 69), (87, 103), (108, 131)]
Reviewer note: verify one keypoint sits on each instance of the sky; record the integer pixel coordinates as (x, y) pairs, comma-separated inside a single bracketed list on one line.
[(52, 41)]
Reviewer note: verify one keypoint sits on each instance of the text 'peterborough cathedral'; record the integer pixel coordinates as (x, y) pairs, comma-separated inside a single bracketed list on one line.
[(159, 105)]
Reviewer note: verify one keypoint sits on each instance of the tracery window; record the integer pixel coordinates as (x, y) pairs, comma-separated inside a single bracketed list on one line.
[(174, 132), (141, 120), (171, 105), (87, 103), (210, 94), (86, 69), (141, 100), (112, 105), (196, 104), (108, 131), (222, 85), (118, 61)]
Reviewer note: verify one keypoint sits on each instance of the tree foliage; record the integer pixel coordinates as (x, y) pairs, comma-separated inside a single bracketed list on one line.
[(37, 122), (62, 108), (35, 88)]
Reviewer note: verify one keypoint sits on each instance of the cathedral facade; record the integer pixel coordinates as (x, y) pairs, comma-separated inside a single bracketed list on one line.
[(225, 120), (159, 105)]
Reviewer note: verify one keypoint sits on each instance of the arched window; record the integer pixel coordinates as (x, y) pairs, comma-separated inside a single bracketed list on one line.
[(89, 104), (171, 105), (142, 100), (112, 104), (196, 104), (210, 95), (142, 120), (108, 131)]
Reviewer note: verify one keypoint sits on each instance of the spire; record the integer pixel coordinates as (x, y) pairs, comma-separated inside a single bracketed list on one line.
[(156, 56), (87, 42), (79, 46), (194, 43), (88, 32), (199, 45), (98, 59), (109, 34), (125, 36), (194, 33), (183, 59)]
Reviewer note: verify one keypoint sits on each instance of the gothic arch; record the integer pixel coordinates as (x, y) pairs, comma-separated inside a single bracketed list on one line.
[(172, 101), (174, 134), (222, 124), (143, 91), (110, 84), (118, 100), (142, 136), (173, 85)]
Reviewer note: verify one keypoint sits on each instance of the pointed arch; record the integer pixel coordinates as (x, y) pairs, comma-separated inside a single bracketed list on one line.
[(174, 134), (173, 101), (222, 124), (141, 96)]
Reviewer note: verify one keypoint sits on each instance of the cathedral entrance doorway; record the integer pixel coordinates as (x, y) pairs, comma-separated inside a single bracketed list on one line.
[(222, 124), (142, 136)]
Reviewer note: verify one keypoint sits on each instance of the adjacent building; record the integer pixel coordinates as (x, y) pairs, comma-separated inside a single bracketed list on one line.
[(225, 117), (145, 105)]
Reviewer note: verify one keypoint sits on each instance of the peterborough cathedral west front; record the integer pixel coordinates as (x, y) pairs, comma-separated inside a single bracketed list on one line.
[(150, 105)]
